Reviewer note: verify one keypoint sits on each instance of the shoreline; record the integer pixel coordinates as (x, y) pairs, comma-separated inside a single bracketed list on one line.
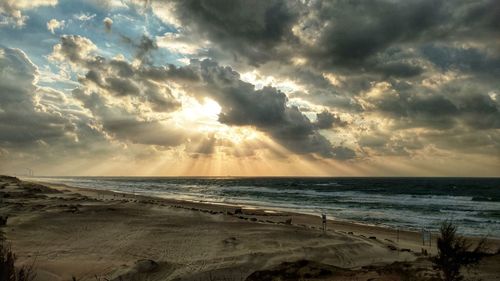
[(409, 237), (334, 220), (84, 232)]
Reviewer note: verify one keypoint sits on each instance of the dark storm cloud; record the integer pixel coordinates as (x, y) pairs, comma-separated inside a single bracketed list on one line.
[(469, 60), (360, 29), (477, 108), (481, 14), (180, 74), (323, 92), (242, 105), (328, 120), (122, 87), (379, 37), (122, 68), (245, 28), (145, 46), (352, 34), (336, 51), (345, 33), (451, 105), (265, 109), (399, 69), (420, 111), (343, 153)]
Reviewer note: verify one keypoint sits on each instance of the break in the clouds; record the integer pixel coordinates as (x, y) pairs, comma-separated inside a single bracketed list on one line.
[(303, 87)]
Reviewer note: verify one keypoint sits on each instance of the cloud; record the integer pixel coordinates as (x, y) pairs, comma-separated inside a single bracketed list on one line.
[(356, 32), (453, 104), (327, 120), (265, 109), (243, 28), (84, 17), (326, 33), (180, 44), (54, 24), (73, 47), (375, 37), (11, 10), (125, 125), (27, 117), (39, 123), (117, 77), (409, 65), (110, 4), (116, 91), (145, 46), (465, 59), (369, 78), (121, 97), (108, 23)]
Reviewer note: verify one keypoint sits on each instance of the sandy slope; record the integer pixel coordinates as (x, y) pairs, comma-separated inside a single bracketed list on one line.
[(86, 233)]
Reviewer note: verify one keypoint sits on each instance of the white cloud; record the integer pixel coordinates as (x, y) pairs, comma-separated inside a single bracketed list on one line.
[(180, 44), (84, 17), (54, 24), (109, 4), (165, 11), (11, 10)]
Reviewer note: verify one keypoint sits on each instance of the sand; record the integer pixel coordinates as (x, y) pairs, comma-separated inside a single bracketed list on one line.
[(100, 235)]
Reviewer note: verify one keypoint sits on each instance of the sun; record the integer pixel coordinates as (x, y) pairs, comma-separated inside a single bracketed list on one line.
[(211, 108), (198, 112), (203, 117)]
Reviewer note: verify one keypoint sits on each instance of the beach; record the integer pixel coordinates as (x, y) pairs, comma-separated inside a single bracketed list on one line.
[(93, 234)]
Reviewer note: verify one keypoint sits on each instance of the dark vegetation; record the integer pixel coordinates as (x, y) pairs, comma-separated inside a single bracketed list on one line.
[(8, 271), (456, 252), (299, 270)]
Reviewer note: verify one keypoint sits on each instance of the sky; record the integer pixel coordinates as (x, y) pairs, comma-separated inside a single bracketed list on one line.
[(250, 88)]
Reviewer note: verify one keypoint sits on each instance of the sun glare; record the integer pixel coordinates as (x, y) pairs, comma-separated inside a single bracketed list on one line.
[(202, 116), (195, 112), (211, 108)]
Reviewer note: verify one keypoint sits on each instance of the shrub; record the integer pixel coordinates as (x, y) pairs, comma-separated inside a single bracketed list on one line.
[(454, 252), (8, 270)]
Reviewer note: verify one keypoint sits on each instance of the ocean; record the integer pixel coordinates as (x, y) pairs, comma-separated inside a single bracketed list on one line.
[(410, 203)]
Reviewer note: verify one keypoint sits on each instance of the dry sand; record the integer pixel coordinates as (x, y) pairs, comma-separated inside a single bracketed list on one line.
[(101, 235)]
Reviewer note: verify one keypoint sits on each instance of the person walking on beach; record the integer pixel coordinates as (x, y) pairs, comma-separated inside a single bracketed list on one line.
[(323, 218)]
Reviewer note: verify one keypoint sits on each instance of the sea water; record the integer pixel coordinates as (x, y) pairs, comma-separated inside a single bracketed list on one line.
[(411, 203)]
